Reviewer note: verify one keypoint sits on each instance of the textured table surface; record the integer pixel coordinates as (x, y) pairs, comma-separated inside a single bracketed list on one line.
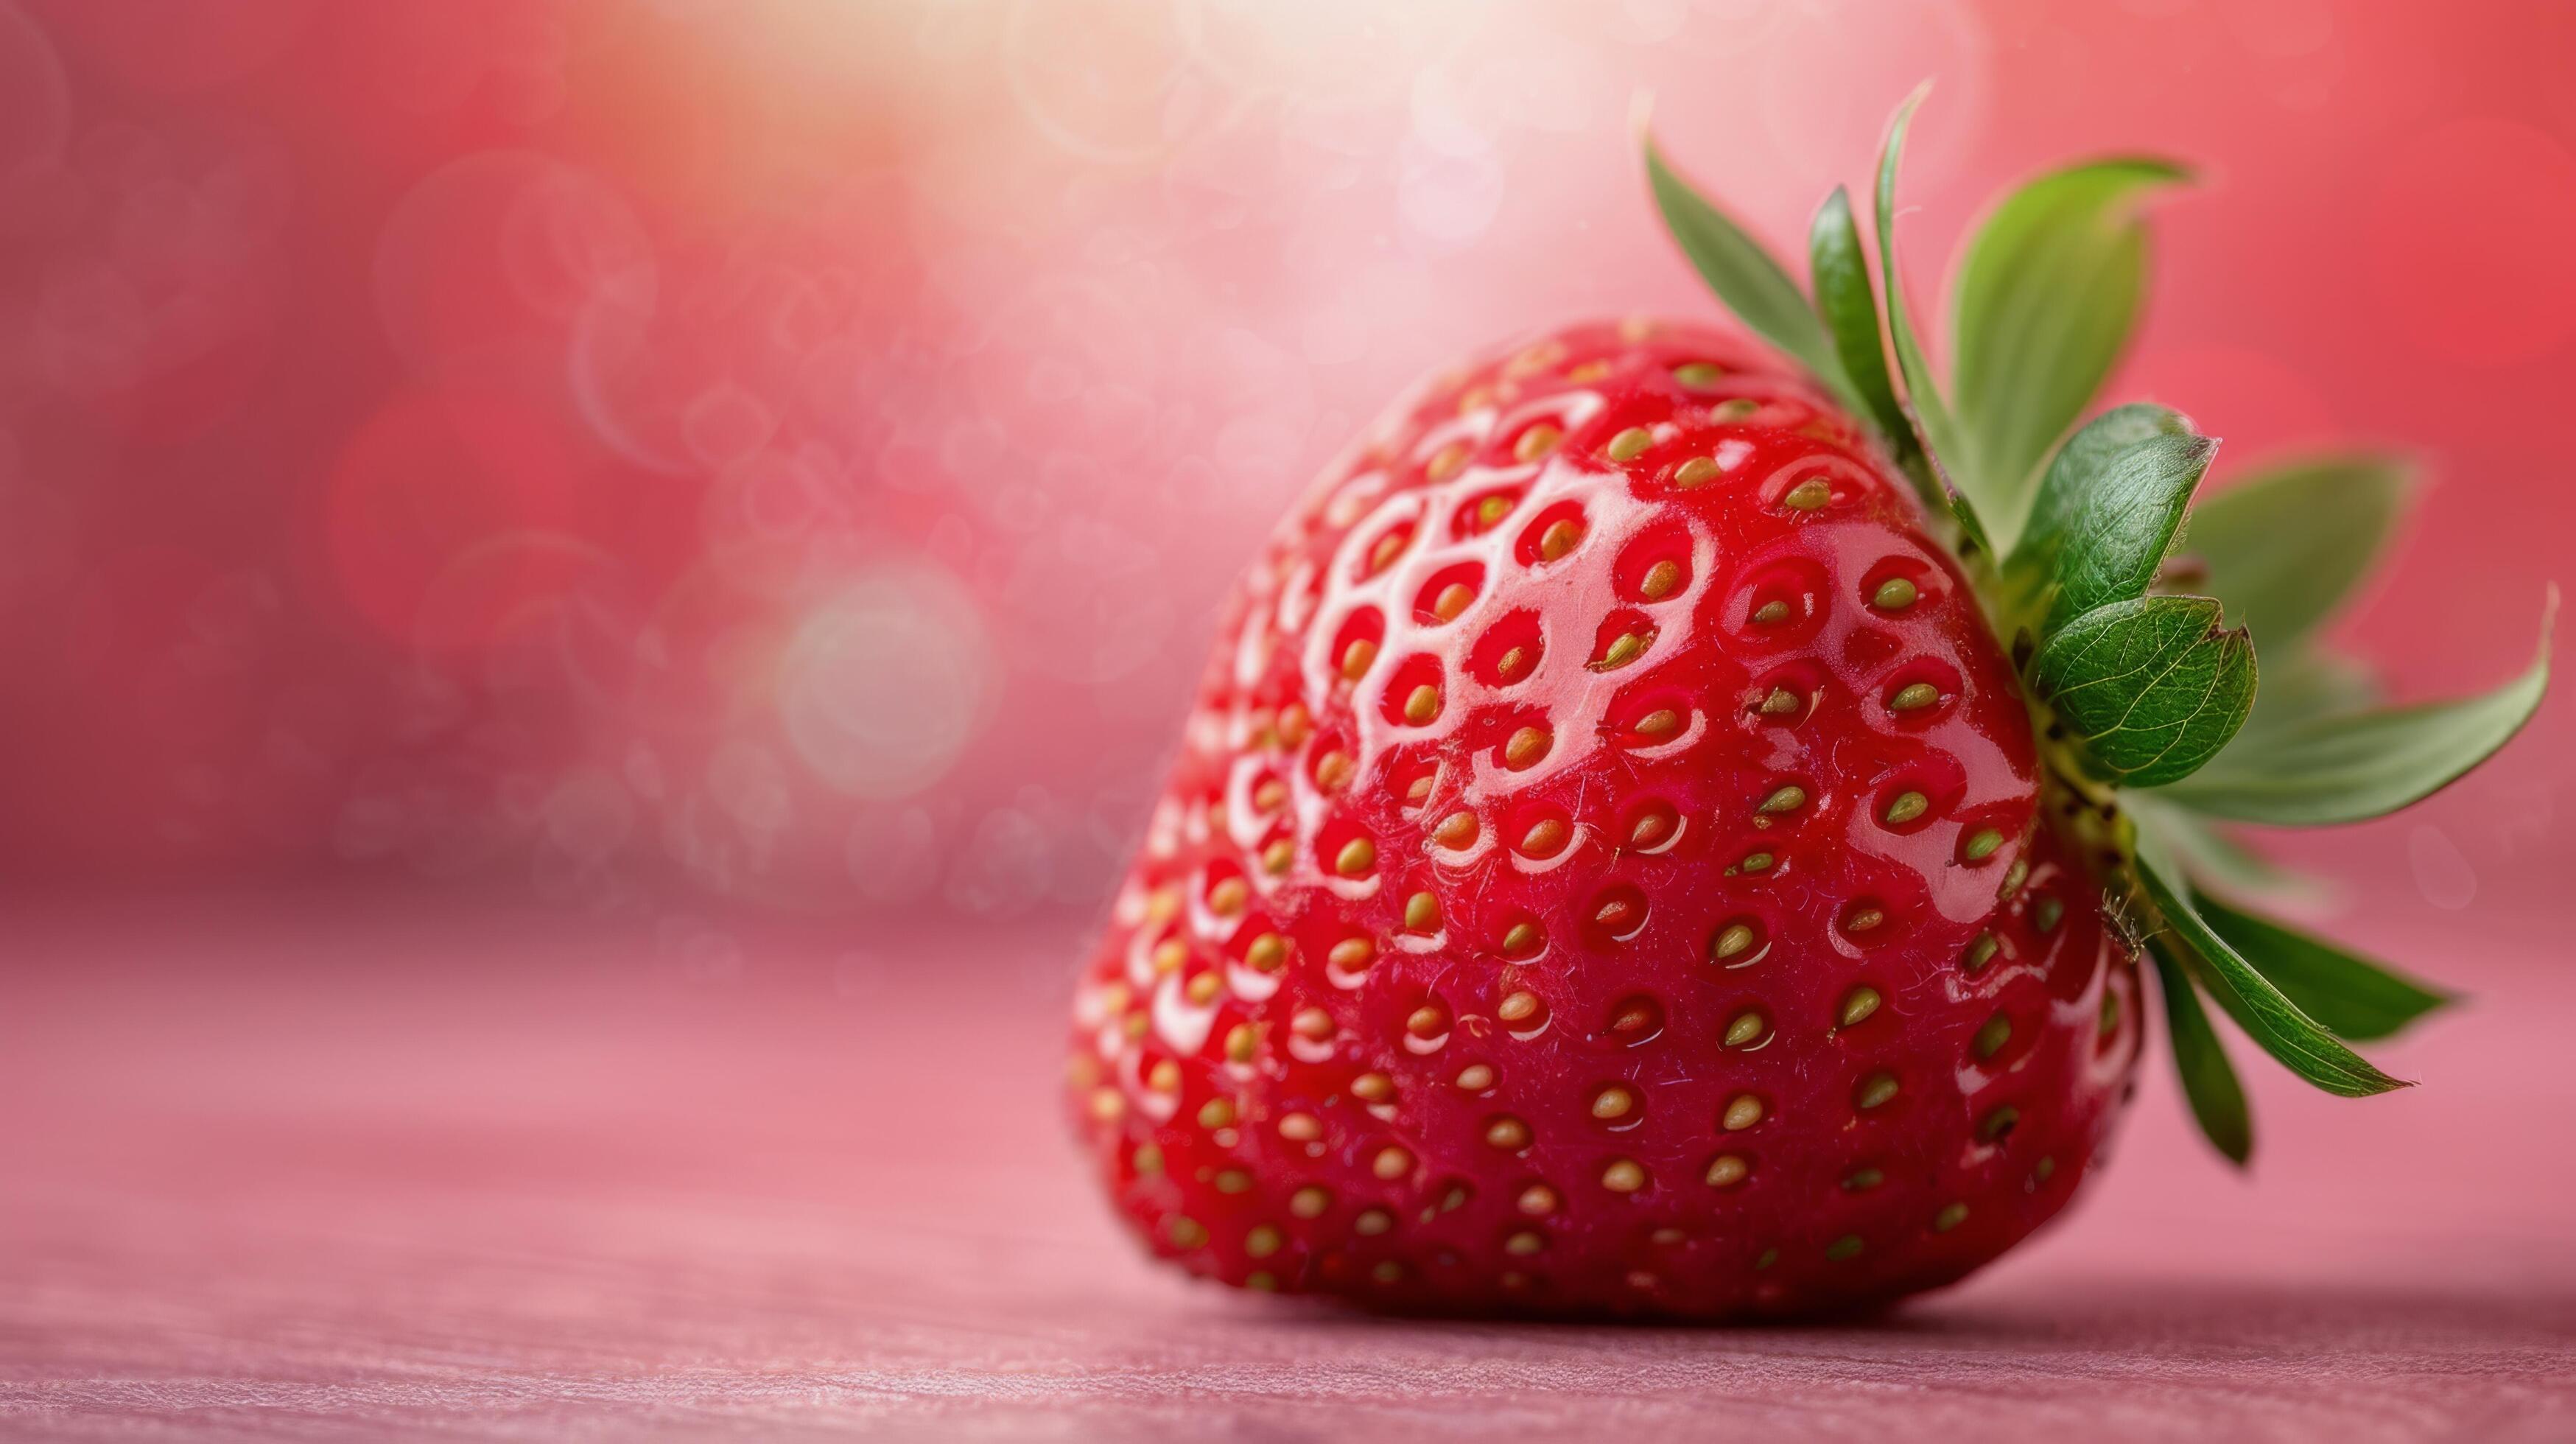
[(390, 1171)]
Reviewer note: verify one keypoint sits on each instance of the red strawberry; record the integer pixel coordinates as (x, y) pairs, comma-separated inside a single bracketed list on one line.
[(1611, 867), (1603, 875)]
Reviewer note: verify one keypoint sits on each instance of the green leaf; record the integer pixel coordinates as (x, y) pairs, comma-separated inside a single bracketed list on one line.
[(1756, 287), (2121, 531), (2109, 508), (1933, 426), (1962, 511), (2357, 998), (2153, 685), (1850, 311), (2352, 766), (2209, 853), (2208, 1079), (2301, 1044), (2047, 293), (2286, 547), (2082, 458)]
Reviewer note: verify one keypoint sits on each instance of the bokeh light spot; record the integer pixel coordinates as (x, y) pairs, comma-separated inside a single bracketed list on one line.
[(2442, 872), (485, 265), (882, 687)]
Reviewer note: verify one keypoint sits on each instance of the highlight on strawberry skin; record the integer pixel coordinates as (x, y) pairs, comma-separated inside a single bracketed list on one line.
[(1700, 817)]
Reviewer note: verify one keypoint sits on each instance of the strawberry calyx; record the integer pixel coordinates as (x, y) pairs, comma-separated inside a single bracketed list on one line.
[(2131, 611)]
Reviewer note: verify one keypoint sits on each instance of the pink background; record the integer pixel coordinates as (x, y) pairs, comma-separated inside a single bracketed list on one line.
[(585, 584), (662, 451)]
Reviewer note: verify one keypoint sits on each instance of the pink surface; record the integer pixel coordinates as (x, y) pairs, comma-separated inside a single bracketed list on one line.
[(387, 1168)]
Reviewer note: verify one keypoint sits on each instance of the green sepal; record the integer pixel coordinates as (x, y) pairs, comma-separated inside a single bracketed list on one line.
[(2349, 767), (2126, 524), (2299, 1042), (2074, 467), (1934, 429), (2210, 853), (2154, 685), (1962, 511), (2109, 509), (2209, 1080), (2284, 548), (2360, 1000), (2047, 294), (1849, 308), (1744, 274)]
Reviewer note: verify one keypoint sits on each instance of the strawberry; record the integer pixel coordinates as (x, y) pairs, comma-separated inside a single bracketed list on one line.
[(1604, 872), (1673, 830)]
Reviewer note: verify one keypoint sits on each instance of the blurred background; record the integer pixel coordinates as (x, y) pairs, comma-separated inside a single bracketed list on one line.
[(592, 593), (685, 458)]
